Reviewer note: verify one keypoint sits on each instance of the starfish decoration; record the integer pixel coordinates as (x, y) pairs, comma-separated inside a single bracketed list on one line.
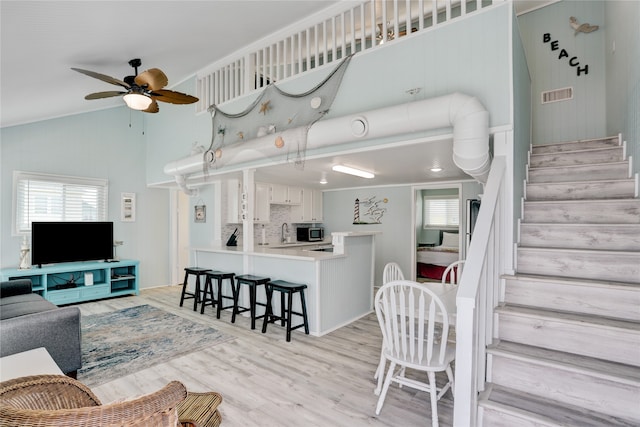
[(264, 107)]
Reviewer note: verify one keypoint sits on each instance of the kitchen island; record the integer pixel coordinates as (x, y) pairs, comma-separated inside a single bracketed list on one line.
[(339, 283)]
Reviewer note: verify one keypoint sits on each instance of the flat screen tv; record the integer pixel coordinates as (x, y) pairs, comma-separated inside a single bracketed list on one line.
[(54, 242)]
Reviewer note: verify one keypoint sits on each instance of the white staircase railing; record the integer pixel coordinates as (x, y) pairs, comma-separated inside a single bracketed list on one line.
[(478, 296), (326, 38)]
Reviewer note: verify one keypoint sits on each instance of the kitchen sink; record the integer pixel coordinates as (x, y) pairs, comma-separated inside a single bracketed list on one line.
[(321, 249)]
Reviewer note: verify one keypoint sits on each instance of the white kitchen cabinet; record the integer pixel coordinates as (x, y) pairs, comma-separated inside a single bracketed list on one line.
[(262, 209), (284, 194), (234, 201), (310, 210), (316, 206)]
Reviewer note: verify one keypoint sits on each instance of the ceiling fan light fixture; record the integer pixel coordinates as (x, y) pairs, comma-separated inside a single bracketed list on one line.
[(353, 171), (137, 101)]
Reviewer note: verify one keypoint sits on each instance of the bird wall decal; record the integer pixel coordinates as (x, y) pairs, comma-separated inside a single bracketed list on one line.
[(581, 28)]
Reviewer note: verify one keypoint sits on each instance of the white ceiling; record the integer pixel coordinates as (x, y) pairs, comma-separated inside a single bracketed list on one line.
[(41, 40)]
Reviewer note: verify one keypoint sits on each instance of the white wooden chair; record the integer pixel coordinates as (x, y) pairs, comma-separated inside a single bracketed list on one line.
[(390, 273), (453, 272), (407, 313)]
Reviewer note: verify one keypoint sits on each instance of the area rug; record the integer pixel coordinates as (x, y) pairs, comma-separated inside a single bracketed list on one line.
[(122, 342)]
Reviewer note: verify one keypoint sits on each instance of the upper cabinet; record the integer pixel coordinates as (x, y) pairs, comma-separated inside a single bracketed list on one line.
[(310, 210), (261, 212), (306, 204), (234, 201), (284, 195)]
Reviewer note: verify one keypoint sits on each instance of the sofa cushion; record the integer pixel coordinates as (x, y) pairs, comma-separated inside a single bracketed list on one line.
[(20, 305)]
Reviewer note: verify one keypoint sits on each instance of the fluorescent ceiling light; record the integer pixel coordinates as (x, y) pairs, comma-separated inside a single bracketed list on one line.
[(436, 169), (137, 101), (353, 171)]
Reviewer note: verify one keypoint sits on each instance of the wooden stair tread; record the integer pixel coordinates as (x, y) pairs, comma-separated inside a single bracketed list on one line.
[(579, 150), (606, 139), (570, 281), (544, 412), (594, 201), (570, 317), (584, 224), (565, 183), (583, 251), (578, 166), (597, 368)]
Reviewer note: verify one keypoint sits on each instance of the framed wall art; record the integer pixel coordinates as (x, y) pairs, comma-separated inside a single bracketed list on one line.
[(200, 213), (128, 207)]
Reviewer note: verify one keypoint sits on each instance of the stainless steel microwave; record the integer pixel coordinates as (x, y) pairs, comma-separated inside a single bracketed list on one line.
[(310, 234)]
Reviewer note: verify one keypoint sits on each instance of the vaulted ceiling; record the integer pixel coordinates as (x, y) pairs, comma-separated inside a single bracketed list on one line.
[(42, 40)]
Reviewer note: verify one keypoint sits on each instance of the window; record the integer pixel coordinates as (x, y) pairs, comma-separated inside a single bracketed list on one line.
[(441, 211), (42, 197)]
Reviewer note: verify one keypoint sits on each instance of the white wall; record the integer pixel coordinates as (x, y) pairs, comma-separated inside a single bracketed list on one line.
[(585, 115), (622, 26), (100, 145), (394, 244)]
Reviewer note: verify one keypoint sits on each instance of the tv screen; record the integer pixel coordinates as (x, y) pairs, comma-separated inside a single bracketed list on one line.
[(53, 242)]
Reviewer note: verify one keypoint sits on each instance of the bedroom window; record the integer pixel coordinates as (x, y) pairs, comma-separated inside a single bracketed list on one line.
[(43, 197), (441, 211)]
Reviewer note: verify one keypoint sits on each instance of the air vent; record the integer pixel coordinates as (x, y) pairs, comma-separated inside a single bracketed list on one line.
[(557, 95)]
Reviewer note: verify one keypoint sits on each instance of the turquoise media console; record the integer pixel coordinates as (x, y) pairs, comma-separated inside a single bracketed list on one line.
[(73, 282)]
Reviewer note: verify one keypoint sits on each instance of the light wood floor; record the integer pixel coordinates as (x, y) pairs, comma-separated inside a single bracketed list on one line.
[(265, 381)]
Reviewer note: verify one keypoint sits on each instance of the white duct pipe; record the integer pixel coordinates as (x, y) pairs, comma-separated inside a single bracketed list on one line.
[(181, 180), (467, 116)]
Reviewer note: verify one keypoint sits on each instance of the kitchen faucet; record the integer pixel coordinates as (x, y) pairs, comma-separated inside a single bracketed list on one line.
[(284, 229)]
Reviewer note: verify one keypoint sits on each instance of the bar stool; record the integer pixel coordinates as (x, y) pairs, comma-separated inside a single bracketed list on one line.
[(216, 301), (290, 289), (253, 282), (195, 271)]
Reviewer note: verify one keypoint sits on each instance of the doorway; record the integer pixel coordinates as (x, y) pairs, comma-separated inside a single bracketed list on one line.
[(179, 258), (438, 236)]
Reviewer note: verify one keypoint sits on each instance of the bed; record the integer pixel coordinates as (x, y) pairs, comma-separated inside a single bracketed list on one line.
[(432, 261)]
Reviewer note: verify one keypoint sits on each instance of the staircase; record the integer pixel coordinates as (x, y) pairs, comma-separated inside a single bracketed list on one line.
[(568, 346)]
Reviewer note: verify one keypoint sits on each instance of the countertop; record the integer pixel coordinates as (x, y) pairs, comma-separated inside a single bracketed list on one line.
[(293, 250)]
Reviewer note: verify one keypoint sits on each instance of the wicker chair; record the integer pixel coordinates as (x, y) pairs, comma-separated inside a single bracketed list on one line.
[(57, 400)]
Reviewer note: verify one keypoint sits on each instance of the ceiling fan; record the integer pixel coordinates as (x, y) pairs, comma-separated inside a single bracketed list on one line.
[(142, 90)]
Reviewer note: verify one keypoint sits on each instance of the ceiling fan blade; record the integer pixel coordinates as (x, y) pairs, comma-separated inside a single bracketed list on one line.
[(102, 77), (108, 94), (173, 97), (153, 78), (153, 108)]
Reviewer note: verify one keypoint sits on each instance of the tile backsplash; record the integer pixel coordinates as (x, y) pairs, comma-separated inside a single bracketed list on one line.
[(279, 214)]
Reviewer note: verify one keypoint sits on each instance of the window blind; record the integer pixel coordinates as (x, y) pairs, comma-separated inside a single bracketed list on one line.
[(42, 197), (441, 211)]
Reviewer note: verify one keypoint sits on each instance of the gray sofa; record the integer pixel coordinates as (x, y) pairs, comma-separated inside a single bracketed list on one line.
[(28, 321)]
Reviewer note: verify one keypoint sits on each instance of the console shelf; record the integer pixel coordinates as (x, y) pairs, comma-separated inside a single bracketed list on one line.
[(71, 282)]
